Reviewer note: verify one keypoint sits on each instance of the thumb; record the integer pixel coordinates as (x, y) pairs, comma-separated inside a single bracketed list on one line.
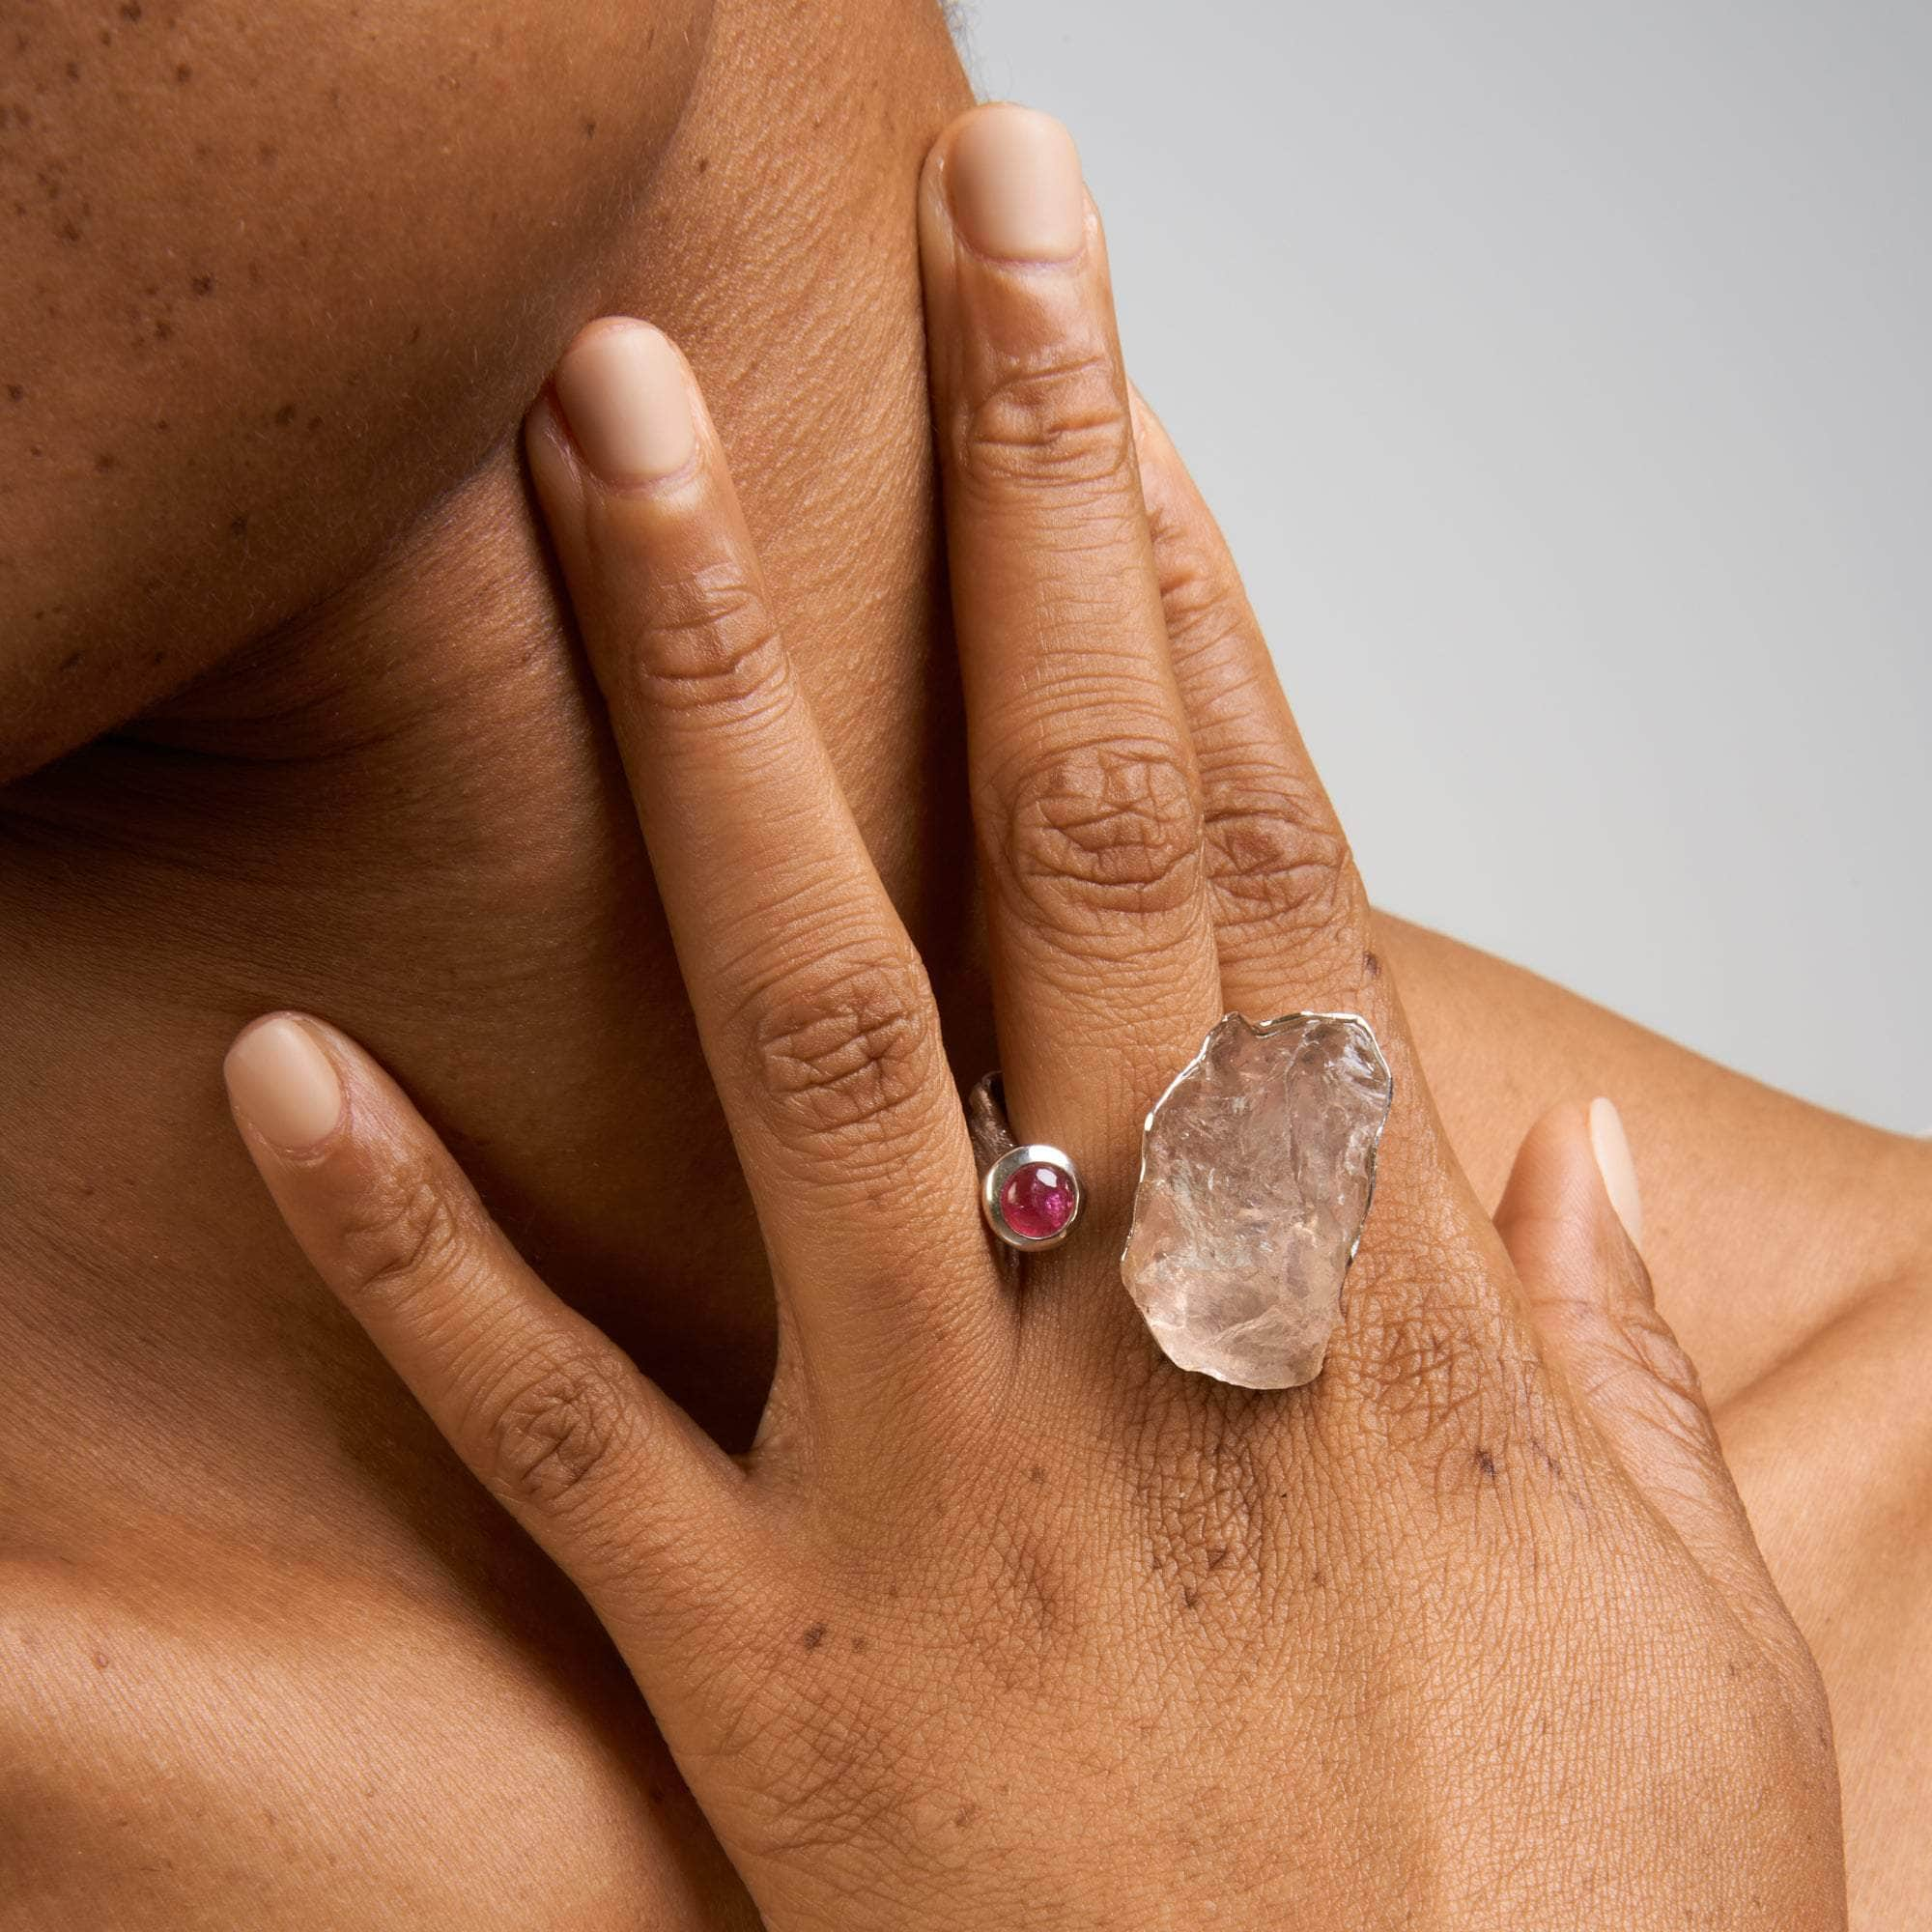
[(1571, 1218)]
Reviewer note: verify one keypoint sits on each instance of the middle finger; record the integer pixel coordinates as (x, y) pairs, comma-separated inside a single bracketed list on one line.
[(1085, 793)]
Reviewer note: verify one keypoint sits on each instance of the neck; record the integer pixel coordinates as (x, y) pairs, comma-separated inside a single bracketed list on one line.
[(401, 812)]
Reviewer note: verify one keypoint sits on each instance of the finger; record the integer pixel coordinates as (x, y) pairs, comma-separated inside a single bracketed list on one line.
[(1291, 913), (817, 1022), (1424, 1321), (1571, 1218), (1085, 794), (625, 1493)]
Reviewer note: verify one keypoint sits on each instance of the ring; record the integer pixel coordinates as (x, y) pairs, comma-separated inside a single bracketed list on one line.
[(1258, 1165), (1030, 1194)]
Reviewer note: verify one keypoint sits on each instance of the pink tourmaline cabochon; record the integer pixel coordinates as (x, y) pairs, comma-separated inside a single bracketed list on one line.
[(1037, 1200)]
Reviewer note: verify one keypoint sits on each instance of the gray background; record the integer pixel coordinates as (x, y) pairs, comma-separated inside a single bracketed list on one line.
[(1558, 372)]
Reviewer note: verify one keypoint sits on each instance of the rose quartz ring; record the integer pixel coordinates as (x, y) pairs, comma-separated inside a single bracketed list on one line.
[(1030, 1194)]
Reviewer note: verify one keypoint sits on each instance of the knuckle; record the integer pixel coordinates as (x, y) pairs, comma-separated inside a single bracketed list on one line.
[(1209, 1468), (1427, 1355), (404, 1230), (542, 1432), (710, 644), (1647, 1339), (1057, 420), (1278, 859), (1097, 833), (847, 1049), (1203, 609), (1423, 1367)]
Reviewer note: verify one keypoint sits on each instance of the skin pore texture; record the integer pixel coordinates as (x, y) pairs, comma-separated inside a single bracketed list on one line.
[(267, 1654)]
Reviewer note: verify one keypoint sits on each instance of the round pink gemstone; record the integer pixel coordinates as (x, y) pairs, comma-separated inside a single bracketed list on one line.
[(1037, 1200)]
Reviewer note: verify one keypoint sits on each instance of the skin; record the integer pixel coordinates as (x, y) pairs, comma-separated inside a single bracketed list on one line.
[(382, 798), (1003, 1621)]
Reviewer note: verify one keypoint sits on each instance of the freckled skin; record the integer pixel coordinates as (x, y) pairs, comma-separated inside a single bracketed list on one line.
[(439, 1732), (158, 130)]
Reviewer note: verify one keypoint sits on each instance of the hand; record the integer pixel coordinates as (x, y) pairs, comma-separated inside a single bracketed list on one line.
[(1005, 1622)]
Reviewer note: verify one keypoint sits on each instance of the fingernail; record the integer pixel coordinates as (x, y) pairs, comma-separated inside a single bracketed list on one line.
[(1013, 180), (1611, 1146), (282, 1081), (623, 392)]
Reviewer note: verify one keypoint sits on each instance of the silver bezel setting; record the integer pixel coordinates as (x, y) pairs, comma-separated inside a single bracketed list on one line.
[(992, 1183)]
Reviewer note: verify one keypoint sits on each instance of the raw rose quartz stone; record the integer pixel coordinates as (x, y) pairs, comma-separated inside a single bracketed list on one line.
[(1256, 1173)]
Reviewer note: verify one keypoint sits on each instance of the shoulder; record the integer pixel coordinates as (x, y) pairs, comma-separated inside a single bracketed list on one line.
[(1832, 1452), (293, 1752)]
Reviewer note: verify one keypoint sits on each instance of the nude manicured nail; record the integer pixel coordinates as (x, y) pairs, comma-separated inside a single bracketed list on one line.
[(1013, 180), (282, 1081), (1611, 1146), (624, 395)]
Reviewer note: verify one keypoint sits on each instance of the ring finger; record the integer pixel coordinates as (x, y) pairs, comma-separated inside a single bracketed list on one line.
[(1291, 913), (1085, 793)]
